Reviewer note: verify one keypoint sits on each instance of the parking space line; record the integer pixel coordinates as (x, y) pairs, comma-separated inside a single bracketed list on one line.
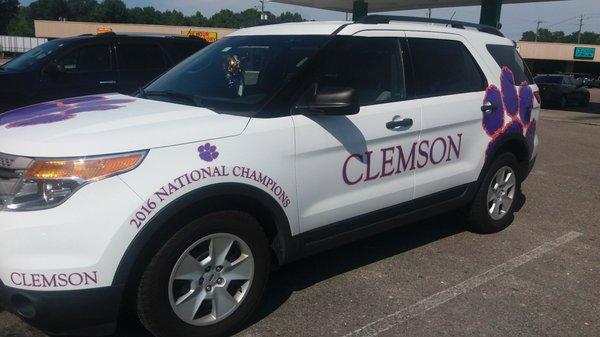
[(385, 323)]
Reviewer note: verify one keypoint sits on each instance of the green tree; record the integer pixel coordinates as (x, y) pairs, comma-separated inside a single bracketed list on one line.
[(248, 18), (290, 17), (224, 18), (79, 10), (49, 10), (9, 9), (198, 20), (173, 18), (22, 24), (110, 11), (148, 15), (546, 35)]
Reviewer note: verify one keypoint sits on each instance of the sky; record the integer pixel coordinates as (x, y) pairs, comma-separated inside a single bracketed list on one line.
[(557, 15)]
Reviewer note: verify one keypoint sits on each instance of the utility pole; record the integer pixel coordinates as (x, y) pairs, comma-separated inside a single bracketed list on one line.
[(263, 16), (537, 30), (580, 27)]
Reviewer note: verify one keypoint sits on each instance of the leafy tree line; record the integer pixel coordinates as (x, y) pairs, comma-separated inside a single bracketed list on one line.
[(18, 20), (546, 35)]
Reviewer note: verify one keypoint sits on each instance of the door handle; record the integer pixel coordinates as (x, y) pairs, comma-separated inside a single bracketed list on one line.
[(108, 82), (405, 123), (488, 108)]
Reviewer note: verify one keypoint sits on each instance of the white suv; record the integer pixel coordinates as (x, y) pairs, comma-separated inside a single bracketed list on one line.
[(271, 144)]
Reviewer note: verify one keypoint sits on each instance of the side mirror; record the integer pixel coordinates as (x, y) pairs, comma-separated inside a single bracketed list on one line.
[(54, 69), (335, 101)]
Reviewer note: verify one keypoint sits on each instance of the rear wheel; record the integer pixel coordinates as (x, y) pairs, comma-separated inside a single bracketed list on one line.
[(585, 100), (207, 279), (494, 205)]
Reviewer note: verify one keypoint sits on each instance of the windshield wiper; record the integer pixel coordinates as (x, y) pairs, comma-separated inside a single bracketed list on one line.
[(169, 94)]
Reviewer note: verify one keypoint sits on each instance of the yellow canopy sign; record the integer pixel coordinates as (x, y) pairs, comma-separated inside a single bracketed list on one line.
[(103, 30), (208, 36)]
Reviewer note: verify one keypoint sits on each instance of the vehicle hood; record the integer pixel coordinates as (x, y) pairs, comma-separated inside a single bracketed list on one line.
[(105, 124)]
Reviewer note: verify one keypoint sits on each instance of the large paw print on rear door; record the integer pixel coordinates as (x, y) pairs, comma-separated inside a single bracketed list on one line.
[(511, 110)]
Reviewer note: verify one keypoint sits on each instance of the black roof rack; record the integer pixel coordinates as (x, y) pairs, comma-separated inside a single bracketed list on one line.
[(382, 19)]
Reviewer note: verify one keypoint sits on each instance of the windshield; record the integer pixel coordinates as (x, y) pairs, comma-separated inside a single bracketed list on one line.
[(236, 74), (33, 56), (548, 79)]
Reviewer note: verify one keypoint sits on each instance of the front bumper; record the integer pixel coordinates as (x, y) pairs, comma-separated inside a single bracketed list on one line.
[(89, 312), (57, 265)]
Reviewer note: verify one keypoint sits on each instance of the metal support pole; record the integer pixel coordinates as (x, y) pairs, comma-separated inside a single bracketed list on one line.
[(490, 13), (360, 9)]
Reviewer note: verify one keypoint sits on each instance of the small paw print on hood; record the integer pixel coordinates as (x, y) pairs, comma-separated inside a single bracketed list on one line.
[(208, 152)]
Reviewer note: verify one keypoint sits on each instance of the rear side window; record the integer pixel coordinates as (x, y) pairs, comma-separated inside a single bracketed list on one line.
[(507, 56), (88, 58), (444, 67), (140, 56)]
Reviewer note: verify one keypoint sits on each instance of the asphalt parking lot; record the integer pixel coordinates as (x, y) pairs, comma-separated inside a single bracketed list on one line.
[(539, 277)]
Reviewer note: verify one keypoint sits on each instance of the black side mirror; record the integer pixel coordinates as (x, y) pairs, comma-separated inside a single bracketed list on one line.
[(336, 101), (54, 69)]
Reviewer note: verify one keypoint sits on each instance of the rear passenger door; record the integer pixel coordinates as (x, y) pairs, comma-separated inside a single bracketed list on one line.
[(450, 87), (139, 61)]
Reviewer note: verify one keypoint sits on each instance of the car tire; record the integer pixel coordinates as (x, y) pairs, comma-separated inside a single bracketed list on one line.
[(585, 100), (562, 103), (481, 216), (171, 276)]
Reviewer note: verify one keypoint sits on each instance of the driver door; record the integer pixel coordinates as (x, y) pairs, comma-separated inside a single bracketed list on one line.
[(351, 165)]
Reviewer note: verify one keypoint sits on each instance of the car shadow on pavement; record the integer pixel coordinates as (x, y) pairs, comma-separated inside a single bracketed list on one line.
[(312, 270)]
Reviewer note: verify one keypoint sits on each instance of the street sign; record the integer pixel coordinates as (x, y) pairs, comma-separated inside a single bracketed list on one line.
[(584, 53)]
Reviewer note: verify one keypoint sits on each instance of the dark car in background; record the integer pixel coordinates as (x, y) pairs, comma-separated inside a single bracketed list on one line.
[(90, 64), (562, 90)]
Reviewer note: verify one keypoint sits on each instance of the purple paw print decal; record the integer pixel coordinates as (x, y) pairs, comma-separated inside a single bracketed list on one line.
[(60, 110), (511, 112), (208, 152)]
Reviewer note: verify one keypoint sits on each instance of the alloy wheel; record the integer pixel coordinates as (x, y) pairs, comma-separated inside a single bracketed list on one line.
[(501, 192), (211, 279)]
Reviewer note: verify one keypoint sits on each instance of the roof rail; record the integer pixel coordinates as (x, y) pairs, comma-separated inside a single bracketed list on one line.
[(375, 19)]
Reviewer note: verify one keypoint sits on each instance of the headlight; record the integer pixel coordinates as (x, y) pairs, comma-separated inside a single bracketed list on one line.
[(46, 183)]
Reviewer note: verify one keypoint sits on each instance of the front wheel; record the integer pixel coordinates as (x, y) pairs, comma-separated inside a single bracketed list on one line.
[(494, 205), (207, 279)]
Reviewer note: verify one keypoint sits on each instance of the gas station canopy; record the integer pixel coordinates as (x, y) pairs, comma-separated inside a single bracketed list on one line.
[(392, 5)]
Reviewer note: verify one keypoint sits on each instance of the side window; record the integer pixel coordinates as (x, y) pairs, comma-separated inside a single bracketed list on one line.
[(140, 56), (179, 51), (370, 65), (444, 67), (88, 58), (507, 56)]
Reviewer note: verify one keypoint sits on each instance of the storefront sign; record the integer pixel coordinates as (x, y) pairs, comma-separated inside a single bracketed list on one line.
[(208, 36), (583, 53)]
